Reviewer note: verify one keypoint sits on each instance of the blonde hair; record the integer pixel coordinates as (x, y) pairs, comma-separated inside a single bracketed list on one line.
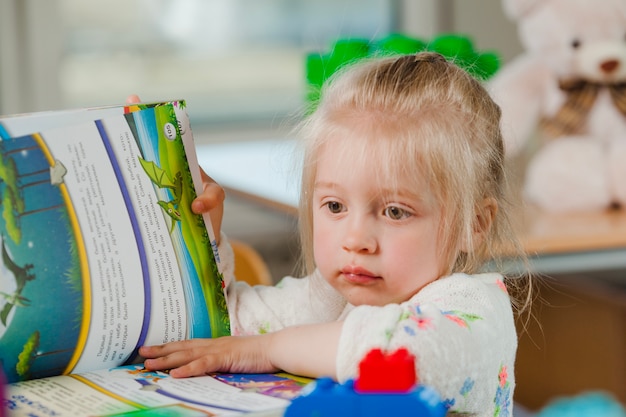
[(431, 120)]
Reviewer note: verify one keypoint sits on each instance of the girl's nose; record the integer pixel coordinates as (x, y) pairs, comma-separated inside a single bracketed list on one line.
[(359, 237)]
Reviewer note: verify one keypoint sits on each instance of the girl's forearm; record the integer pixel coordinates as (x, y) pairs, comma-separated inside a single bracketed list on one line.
[(308, 350)]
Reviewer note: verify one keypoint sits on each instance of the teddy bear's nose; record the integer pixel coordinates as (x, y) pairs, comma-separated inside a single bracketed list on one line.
[(609, 66)]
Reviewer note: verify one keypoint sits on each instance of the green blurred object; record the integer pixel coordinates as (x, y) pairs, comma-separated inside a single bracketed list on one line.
[(455, 47), (319, 67), (460, 49), (397, 43)]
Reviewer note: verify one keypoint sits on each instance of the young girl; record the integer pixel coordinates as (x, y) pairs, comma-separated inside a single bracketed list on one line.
[(401, 204)]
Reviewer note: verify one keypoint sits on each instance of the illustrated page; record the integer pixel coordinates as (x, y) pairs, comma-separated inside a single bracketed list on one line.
[(130, 389), (100, 250)]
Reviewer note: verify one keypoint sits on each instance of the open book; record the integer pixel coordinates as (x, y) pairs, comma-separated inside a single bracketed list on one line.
[(101, 254)]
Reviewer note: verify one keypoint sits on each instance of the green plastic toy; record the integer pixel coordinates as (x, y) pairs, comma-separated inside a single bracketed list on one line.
[(456, 47)]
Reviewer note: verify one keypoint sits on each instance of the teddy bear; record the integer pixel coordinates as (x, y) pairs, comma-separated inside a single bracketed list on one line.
[(563, 102)]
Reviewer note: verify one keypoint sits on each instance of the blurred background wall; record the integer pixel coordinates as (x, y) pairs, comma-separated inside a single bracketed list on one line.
[(240, 64)]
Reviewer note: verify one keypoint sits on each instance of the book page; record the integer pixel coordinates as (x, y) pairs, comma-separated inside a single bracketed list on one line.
[(124, 390), (101, 252)]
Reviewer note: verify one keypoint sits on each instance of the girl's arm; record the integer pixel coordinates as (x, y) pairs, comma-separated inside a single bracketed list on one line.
[(308, 350)]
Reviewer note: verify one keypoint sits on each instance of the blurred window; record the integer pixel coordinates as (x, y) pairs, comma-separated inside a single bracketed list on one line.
[(234, 61)]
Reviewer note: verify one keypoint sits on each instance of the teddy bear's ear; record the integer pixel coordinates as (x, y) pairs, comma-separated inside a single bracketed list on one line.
[(514, 9)]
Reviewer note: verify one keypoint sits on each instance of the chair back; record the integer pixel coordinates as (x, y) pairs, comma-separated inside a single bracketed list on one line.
[(249, 265)]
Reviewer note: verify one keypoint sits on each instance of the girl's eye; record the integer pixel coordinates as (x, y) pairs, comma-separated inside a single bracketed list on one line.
[(396, 213), (334, 207)]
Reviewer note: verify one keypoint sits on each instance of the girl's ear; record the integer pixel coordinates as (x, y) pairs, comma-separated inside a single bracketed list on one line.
[(485, 213)]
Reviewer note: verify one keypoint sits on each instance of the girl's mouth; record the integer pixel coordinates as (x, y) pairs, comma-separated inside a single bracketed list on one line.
[(359, 276)]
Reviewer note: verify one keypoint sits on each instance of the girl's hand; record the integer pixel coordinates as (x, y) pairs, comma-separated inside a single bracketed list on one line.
[(133, 99), (212, 201), (307, 350), (237, 354), (212, 198)]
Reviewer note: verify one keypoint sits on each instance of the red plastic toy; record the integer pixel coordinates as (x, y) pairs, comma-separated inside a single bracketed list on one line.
[(387, 385), (379, 372)]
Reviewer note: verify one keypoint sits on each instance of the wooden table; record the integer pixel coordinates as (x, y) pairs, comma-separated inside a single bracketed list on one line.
[(267, 173), (575, 242)]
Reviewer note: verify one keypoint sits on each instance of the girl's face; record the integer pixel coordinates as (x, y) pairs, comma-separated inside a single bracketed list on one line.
[(374, 243)]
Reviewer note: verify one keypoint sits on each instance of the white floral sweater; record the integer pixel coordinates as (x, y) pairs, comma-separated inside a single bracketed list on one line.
[(460, 329)]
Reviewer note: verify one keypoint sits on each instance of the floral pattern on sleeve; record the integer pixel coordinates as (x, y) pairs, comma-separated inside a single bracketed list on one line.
[(264, 328), (502, 286), (460, 318), (425, 322), (415, 319), (464, 392), (503, 393)]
